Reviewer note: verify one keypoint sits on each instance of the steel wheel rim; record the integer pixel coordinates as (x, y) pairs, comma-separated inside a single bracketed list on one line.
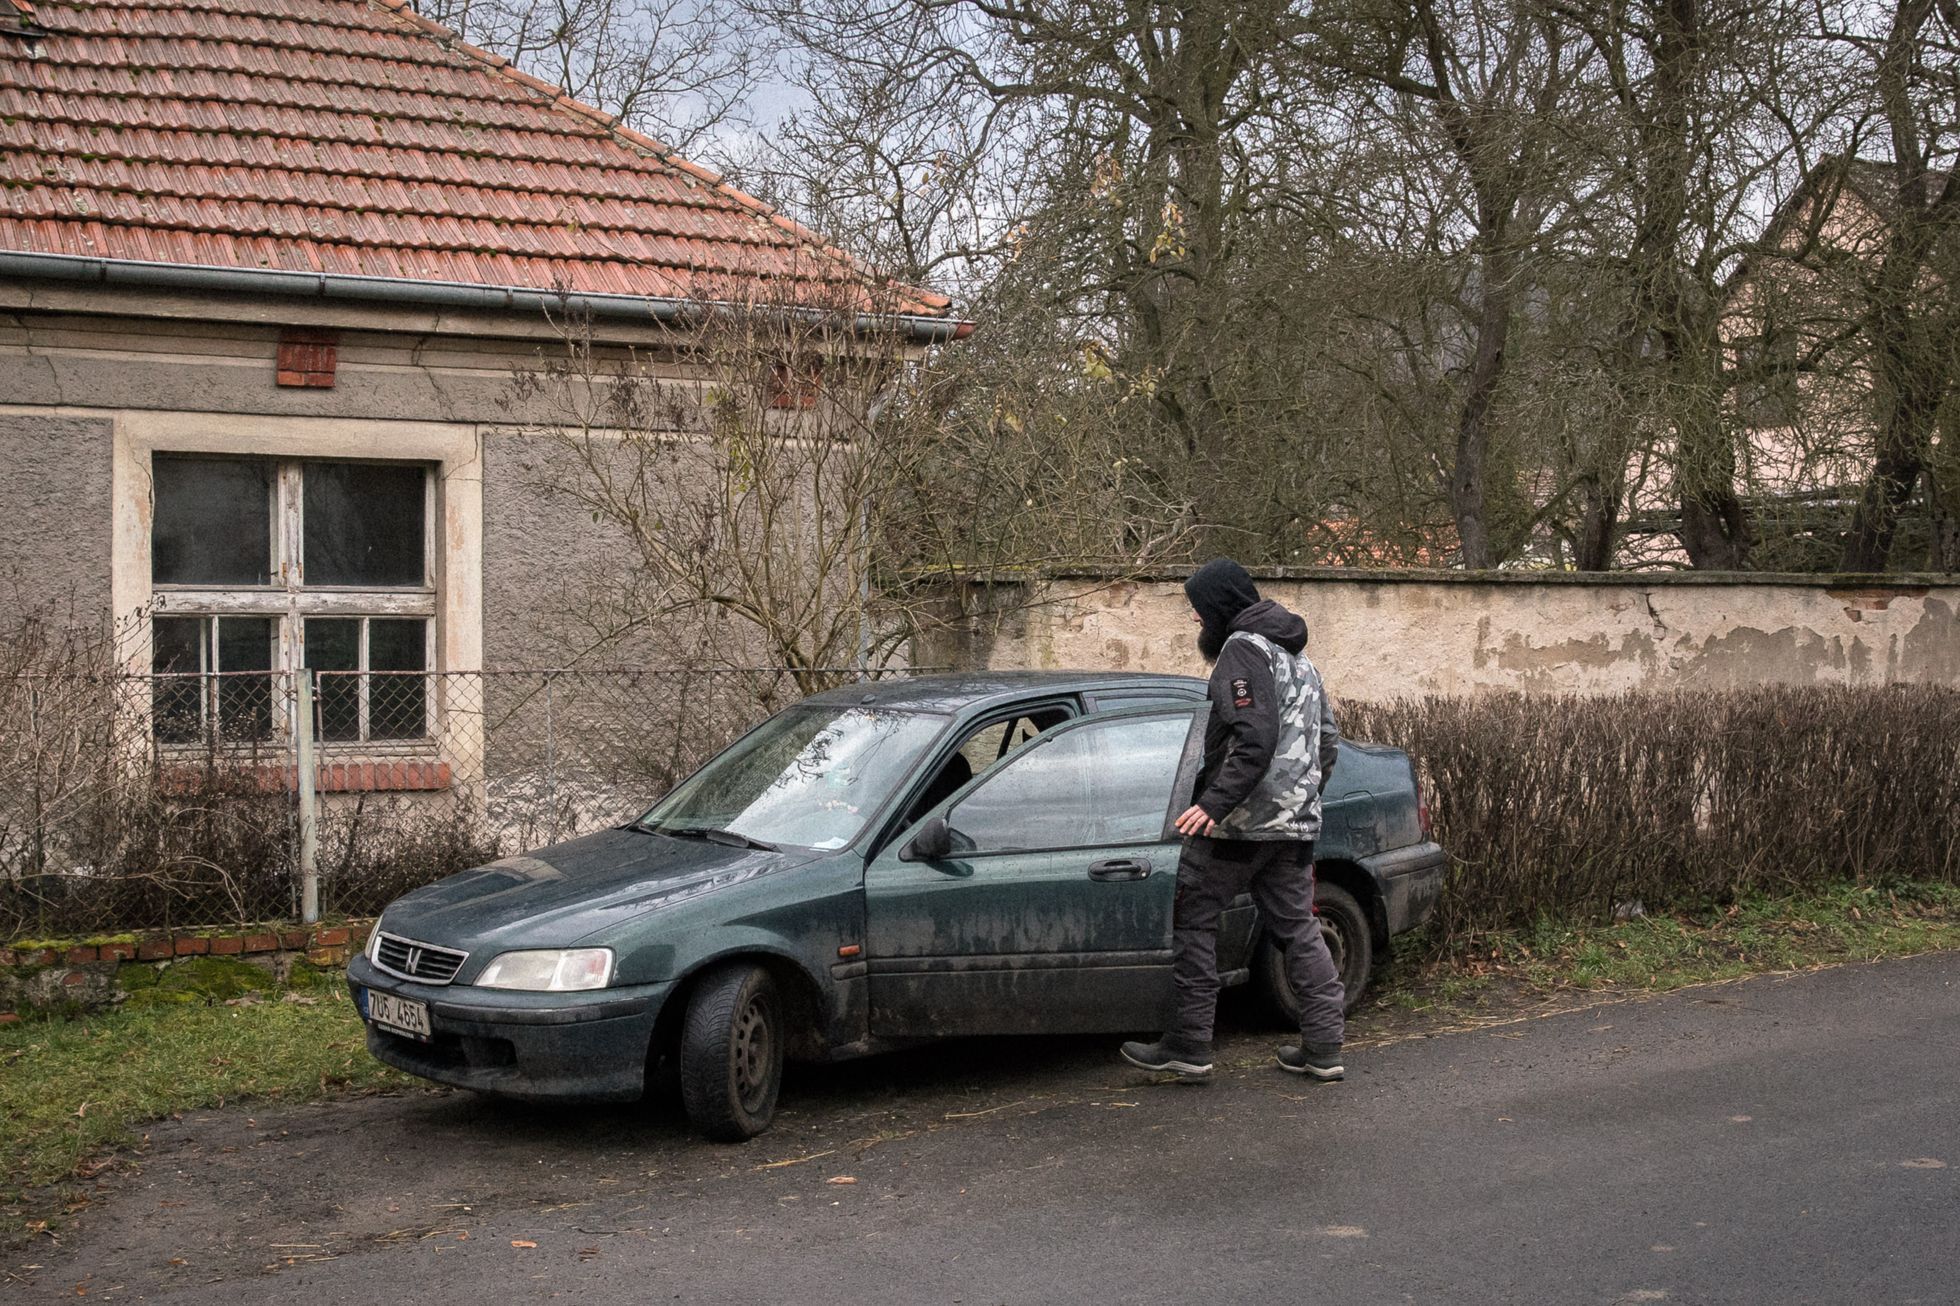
[(1336, 946), (752, 1053)]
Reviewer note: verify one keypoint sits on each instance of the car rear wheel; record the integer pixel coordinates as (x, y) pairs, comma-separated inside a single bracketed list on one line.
[(732, 1053), (1345, 927)]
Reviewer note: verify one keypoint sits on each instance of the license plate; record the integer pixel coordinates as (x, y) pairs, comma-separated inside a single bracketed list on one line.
[(399, 1015)]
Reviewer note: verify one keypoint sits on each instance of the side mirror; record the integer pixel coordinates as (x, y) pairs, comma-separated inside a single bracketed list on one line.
[(933, 842)]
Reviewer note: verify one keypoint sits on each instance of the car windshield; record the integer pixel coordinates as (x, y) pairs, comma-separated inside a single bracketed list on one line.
[(810, 776)]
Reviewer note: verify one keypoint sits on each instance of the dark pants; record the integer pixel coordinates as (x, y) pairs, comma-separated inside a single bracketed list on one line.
[(1279, 874)]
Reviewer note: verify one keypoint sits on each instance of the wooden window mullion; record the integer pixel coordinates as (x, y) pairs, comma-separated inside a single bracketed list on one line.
[(364, 680)]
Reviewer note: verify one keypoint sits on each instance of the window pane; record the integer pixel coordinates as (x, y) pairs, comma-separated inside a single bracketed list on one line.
[(245, 701), (213, 523), (1100, 784), (397, 704), (334, 645), (364, 524), (177, 645)]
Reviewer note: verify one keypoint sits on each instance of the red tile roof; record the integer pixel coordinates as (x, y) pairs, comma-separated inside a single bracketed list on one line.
[(342, 136)]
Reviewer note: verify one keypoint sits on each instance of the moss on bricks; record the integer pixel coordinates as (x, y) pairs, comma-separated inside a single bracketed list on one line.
[(151, 998), (215, 979), (310, 978), (135, 978)]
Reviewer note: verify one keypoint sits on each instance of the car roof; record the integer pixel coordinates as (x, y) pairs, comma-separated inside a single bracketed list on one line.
[(963, 690)]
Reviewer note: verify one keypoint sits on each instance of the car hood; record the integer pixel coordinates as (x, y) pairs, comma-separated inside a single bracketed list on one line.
[(560, 895)]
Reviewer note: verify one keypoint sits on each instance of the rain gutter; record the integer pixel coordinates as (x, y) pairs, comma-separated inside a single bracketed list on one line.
[(338, 286)]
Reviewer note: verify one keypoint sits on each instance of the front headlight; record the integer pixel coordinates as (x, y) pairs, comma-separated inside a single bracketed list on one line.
[(373, 948), (551, 970)]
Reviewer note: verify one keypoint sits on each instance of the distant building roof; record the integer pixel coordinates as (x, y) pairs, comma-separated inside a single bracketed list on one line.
[(358, 139)]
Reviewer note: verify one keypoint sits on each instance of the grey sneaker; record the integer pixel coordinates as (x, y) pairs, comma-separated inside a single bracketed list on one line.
[(1166, 1055), (1322, 1063)]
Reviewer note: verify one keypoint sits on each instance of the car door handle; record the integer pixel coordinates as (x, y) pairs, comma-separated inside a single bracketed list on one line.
[(1120, 868)]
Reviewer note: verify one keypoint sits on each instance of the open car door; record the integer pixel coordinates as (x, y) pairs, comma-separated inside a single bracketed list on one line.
[(1037, 899)]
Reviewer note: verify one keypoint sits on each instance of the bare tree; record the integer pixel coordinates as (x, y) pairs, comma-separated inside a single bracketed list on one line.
[(786, 484), (682, 70), (1911, 62), (1489, 86)]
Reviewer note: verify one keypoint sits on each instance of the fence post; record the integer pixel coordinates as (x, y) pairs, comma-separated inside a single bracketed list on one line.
[(309, 874)]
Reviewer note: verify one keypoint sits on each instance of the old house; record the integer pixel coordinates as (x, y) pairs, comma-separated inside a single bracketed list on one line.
[(266, 267)]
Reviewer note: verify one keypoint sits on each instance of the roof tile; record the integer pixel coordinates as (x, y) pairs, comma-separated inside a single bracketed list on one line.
[(346, 136)]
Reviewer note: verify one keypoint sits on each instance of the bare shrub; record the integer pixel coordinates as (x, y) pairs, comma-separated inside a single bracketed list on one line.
[(1566, 805), (375, 851)]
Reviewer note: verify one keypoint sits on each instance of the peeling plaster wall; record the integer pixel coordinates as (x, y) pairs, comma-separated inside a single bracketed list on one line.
[(1379, 635), (54, 512)]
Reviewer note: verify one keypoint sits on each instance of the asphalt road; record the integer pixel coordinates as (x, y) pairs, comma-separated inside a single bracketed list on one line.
[(1782, 1140)]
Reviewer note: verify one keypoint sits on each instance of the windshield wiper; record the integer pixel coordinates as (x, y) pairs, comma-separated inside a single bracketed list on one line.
[(727, 838)]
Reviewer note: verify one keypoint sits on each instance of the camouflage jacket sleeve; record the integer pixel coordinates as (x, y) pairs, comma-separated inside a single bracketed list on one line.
[(1330, 738), (1244, 727)]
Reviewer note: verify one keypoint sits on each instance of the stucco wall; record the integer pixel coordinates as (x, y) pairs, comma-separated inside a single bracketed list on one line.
[(54, 511), (112, 360), (1379, 635), (542, 557)]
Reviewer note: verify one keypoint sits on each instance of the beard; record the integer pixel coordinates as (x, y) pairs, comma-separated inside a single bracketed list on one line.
[(1211, 642)]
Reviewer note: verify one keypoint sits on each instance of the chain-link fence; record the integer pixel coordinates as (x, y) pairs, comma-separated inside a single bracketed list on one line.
[(134, 802)]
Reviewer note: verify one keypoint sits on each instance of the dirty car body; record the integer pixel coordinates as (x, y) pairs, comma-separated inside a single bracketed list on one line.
[(878, 865)]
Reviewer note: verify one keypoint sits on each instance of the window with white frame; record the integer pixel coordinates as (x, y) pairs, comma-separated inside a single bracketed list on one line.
[(262, 567)]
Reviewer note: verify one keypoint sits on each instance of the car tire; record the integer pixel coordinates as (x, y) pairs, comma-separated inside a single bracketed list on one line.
[(1349, 939), (732, 1053)]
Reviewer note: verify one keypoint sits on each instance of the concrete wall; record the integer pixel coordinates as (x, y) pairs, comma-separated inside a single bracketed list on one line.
[(1377, 635), (54, 511)]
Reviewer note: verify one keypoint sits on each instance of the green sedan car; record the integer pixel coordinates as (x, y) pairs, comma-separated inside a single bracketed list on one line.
[(876, 866)]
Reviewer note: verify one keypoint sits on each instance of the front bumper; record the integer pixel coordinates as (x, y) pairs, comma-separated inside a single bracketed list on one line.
[(1411, 880), (533, 1046)]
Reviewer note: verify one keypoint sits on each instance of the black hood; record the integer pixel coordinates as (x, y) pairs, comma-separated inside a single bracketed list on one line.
[(1219, 591), (1267, 618)]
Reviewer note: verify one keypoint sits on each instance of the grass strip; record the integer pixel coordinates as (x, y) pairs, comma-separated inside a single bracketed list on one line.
[(74, 1093), (1669, 950)]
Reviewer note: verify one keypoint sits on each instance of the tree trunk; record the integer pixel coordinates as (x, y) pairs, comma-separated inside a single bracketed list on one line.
[(1715, 529), (1895, 473), (1474, 418), (1912, 378), (1600, 501)]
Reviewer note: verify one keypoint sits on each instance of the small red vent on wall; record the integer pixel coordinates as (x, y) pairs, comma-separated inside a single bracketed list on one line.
[(795, 384), (308, 358)]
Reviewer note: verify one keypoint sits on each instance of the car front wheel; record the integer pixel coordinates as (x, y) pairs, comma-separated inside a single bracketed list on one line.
[(732, 1053), (1345, 927)]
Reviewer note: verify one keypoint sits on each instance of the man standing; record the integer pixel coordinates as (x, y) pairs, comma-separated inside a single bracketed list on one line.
[(1269, 748)]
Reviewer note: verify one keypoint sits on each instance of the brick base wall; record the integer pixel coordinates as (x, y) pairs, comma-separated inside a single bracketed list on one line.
[(81, 974)]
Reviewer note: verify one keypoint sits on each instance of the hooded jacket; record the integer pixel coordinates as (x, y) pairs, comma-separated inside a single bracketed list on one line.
[(1271, 742)]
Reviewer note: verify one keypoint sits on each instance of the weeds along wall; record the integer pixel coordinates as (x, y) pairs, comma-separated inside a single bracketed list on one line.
[(1575, 806)]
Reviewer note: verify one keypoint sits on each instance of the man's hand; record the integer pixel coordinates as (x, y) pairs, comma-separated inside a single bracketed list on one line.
[(1195, 821)]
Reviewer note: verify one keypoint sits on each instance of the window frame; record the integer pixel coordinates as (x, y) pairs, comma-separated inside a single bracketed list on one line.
[(1182, 780), (290, 602)]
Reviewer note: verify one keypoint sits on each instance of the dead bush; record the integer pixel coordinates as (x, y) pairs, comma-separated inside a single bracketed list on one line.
[(1571, 806)]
